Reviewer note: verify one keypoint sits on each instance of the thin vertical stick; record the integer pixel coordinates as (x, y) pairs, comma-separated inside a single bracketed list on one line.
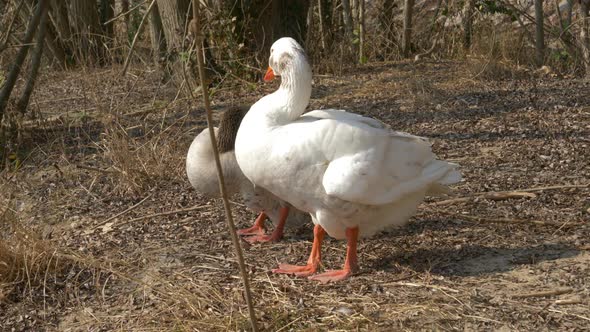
[(361, 20), (147, 12), (228, 214)]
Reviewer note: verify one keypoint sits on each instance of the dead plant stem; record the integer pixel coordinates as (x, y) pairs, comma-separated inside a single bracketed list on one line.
[(493, 193), (222, 189), (551, 292)]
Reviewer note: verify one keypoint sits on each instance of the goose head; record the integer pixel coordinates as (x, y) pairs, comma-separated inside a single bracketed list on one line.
[(288, 60), (283, 54)]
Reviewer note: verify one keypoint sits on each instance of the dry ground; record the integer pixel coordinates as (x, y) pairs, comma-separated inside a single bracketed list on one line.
[(84, 249)]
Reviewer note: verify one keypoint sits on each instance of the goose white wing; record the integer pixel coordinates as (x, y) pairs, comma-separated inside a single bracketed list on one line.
[(368, 163)]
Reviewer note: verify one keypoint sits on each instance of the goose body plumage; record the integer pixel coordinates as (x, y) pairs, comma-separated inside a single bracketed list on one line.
[(353, 174)]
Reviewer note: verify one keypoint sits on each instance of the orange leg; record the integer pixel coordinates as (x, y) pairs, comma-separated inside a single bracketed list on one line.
[(351, 263), (257, 228), (314, 258), (277, 234)]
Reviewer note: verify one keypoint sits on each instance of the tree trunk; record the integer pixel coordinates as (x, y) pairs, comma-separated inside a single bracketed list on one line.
[(585, 34), (386, 24), (59, 16), (321, 23), (107, 13), (20, 57), (337, 18), (310, 28), (23, 102), (347, 18), (289, 20), (262, 22), (569, 13), (361, 20), (407, 34), (88, 33), (53, 45), (59, 32), (539, 34), (467, 24), (157, 35), (126, 17), (354, 7), (173, 14)]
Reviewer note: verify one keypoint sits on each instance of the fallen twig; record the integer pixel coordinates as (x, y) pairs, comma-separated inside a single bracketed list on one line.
[(159, 214), (570, 314), (574, 300), (122, 213), (550, 292), (506, 220), (503, 195), (564, 186), (411, 284), (452, 201)]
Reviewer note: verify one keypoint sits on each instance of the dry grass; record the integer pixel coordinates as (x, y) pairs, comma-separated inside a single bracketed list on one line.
[(43, 276), (139, 162), (26, 261), (145, 270)]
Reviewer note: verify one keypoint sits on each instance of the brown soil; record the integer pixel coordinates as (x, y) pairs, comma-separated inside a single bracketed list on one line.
[(112, 143)]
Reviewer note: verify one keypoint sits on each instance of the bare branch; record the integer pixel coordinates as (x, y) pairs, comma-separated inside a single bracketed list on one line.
[(35, 62), (20, 57)]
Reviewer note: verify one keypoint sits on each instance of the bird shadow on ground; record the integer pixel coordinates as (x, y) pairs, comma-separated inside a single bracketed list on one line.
[(472, 260)]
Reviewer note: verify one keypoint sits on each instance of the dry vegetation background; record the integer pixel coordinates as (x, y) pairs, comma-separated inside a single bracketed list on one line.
[(100, 229)]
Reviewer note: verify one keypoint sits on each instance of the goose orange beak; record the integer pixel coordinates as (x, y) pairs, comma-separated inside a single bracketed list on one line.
[(270, 75)]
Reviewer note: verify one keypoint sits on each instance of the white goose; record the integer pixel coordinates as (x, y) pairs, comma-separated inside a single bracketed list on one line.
[(353, 174), (202, 174)]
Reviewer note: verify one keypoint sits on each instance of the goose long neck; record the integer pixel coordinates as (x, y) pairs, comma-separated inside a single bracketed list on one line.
[(295, 89)]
